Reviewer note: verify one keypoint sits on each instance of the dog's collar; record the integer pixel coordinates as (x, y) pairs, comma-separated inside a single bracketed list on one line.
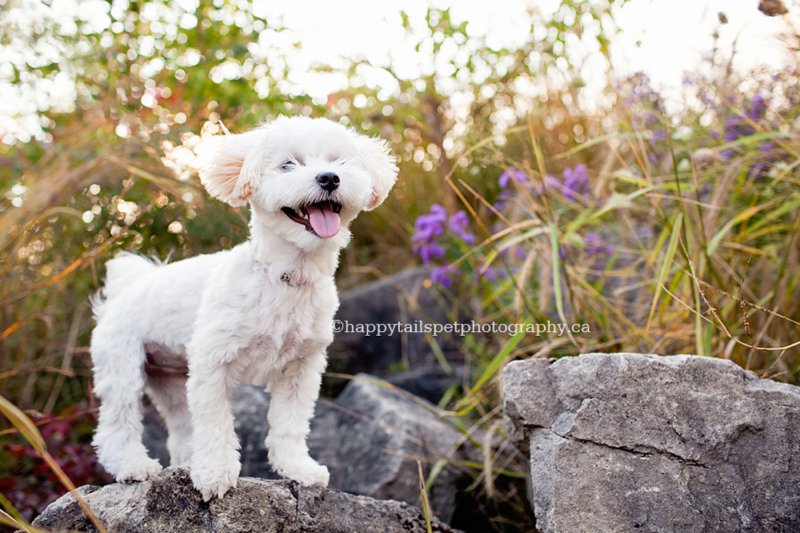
[(291, 278)]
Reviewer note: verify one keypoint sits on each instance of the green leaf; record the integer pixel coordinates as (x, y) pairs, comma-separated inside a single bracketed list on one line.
[(665, 266), (741, 217), (617, 201), (495, 364)]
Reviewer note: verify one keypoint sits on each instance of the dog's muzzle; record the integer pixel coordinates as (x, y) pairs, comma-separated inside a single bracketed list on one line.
[(320, 218)]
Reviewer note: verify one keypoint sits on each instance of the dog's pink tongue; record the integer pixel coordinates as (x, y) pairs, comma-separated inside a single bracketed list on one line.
[(323, 220)]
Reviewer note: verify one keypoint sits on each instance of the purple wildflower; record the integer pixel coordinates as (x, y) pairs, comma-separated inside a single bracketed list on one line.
[(511, 173), (488, 274), (431, 224), (658, 135), (441, 275), (428, 251), (504, 199), (549, 182), (515, 252), (737, 127), (459, 225), (757, 108), (768, 156), (575, 182), (594, 246), (428, 227)]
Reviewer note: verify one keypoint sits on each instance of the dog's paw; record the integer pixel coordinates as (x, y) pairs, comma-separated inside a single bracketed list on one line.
[(139, 470), (214, 479), (307, 473)]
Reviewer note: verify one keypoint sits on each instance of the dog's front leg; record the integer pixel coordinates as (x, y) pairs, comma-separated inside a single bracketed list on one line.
[(294, 392), (215, 449)]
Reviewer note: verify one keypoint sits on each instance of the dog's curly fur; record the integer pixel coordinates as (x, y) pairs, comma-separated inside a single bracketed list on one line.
[(187, 333)]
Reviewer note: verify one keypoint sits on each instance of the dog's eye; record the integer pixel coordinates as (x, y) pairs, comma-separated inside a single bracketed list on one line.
[(288, 165)]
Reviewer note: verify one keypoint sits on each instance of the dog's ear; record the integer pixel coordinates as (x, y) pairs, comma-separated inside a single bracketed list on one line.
[(382, 167), (230, 164)]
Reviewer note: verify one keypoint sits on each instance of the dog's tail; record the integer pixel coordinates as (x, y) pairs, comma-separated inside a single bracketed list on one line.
[(121, 272)]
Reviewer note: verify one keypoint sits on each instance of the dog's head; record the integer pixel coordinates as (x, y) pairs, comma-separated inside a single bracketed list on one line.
[(305, 178)]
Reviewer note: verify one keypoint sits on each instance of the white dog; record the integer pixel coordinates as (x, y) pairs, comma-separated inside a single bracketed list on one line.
[(189, 332)]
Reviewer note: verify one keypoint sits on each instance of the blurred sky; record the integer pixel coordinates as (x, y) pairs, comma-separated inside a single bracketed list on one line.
[(663, 38)]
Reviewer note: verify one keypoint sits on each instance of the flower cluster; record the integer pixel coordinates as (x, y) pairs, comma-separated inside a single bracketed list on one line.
[(646, 110), (427, 228), (595, 246), (511, 174), (737, 126), (459, 226), (435, 230), (507, 190), (438, 238), (574, 182)]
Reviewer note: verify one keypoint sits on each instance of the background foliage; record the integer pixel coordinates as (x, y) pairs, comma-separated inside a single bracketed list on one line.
[(664, 233)]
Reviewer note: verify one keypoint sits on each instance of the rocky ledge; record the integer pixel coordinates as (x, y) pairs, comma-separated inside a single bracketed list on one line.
[(629, 442), (169, 504)]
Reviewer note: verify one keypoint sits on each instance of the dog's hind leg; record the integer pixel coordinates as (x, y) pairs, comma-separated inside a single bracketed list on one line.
[(118, 359), (168, 394)]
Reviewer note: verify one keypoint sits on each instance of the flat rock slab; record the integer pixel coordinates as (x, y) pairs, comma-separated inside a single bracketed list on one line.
[(169, 504), (624, 442)]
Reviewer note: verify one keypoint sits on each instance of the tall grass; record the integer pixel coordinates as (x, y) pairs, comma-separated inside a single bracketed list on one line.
[(657, 234), (662, 240)]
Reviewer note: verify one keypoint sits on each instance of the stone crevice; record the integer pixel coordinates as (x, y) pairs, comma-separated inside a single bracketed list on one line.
[(639, 450)]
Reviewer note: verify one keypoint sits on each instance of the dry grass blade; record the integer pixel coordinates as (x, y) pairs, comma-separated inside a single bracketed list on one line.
[(423, 494), (556, 266), (16, 522), (31, 433)]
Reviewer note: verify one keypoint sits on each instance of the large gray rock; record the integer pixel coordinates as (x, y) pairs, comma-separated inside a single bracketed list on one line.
[(399, 298), (624, 442), (369, 439), (373, 436), (169, 504)]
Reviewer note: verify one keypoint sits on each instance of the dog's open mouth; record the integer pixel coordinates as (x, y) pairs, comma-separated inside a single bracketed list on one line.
[(321, 218)]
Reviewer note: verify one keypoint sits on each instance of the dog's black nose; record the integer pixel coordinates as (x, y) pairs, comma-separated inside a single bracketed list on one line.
[(328, 181)]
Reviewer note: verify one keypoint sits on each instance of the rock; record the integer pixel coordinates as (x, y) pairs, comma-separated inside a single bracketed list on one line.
[(155, 435), (368, 438), (400, 298), (624, 442), (429, 382), (169, 504), (371, 438)]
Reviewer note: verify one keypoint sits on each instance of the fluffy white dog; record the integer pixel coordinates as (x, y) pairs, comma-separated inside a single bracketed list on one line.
[(189, 332)]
